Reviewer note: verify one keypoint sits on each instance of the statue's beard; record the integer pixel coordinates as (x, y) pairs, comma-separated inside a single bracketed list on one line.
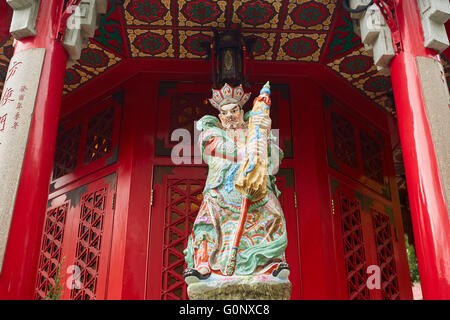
[(233, 124)]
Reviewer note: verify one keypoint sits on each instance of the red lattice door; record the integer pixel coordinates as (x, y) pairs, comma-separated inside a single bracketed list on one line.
[(363, 207), (356, 150), (51, 249), (384, 241), (353, 242), (77, 238), (176, 200), (366, 237)]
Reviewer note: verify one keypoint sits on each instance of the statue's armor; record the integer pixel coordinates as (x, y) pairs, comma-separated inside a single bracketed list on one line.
[(264, 238)]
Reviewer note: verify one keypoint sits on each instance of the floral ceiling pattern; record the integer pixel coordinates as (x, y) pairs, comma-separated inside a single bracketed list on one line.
[(318, 31)]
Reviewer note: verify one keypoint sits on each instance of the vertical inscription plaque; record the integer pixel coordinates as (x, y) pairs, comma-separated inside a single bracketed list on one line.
[(16, 112)]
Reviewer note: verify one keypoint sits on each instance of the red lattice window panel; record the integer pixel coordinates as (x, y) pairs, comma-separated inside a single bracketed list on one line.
[(99, 135), (372, 157), (385, 256), (344, 140), (181, 104), (186, 108), (90, 231), (184, 198), (51, 249), (66, 155), (354, 255)]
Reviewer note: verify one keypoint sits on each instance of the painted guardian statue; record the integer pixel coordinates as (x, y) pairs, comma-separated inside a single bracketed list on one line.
[(240, 231)]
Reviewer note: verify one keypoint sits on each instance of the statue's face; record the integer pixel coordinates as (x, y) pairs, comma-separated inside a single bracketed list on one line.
[(231, 116)]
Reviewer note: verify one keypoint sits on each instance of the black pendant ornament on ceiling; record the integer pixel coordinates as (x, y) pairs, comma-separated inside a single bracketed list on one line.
[(228, 54)]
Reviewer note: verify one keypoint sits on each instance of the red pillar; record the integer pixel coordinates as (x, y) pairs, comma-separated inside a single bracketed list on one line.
[(5, 20), (17, 279), (430, 220)]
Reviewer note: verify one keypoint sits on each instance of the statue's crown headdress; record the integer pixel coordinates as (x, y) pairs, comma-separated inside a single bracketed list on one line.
[(228, 95)]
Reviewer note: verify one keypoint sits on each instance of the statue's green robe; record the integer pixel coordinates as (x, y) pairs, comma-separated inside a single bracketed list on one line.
[(264, 239)]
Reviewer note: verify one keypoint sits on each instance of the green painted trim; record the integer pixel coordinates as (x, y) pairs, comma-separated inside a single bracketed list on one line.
[(114, 156), (390, 213), (331, 162), (386, 191), (366, 202), (287, 148), (75, 195), (105, 25), (380, 138), (327, 101), (161, 150), (161, 171), (282, 88), (289, 177), (165, 86), (344, 42), (334, 184), (119, 96)]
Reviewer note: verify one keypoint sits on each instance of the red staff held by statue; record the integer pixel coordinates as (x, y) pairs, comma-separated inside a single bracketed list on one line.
[(252, 177)]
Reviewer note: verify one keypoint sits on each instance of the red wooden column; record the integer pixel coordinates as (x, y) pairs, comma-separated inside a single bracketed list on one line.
[(429, 214), (17, 279), (5, 21)]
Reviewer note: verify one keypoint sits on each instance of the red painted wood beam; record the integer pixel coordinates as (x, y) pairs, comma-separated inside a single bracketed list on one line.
[(179, 70), (430, 220), (5, 20), (18, 276), (446, 52)]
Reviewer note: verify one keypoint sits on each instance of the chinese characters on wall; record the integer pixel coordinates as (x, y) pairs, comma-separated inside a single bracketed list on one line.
[(16, 111)]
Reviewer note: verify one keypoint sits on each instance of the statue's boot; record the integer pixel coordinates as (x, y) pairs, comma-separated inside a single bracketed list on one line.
[(202, 270), (192, 275), (282, 271)]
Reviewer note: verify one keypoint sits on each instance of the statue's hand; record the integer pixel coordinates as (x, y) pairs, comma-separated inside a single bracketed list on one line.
[(262, 120), (257, 147)]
